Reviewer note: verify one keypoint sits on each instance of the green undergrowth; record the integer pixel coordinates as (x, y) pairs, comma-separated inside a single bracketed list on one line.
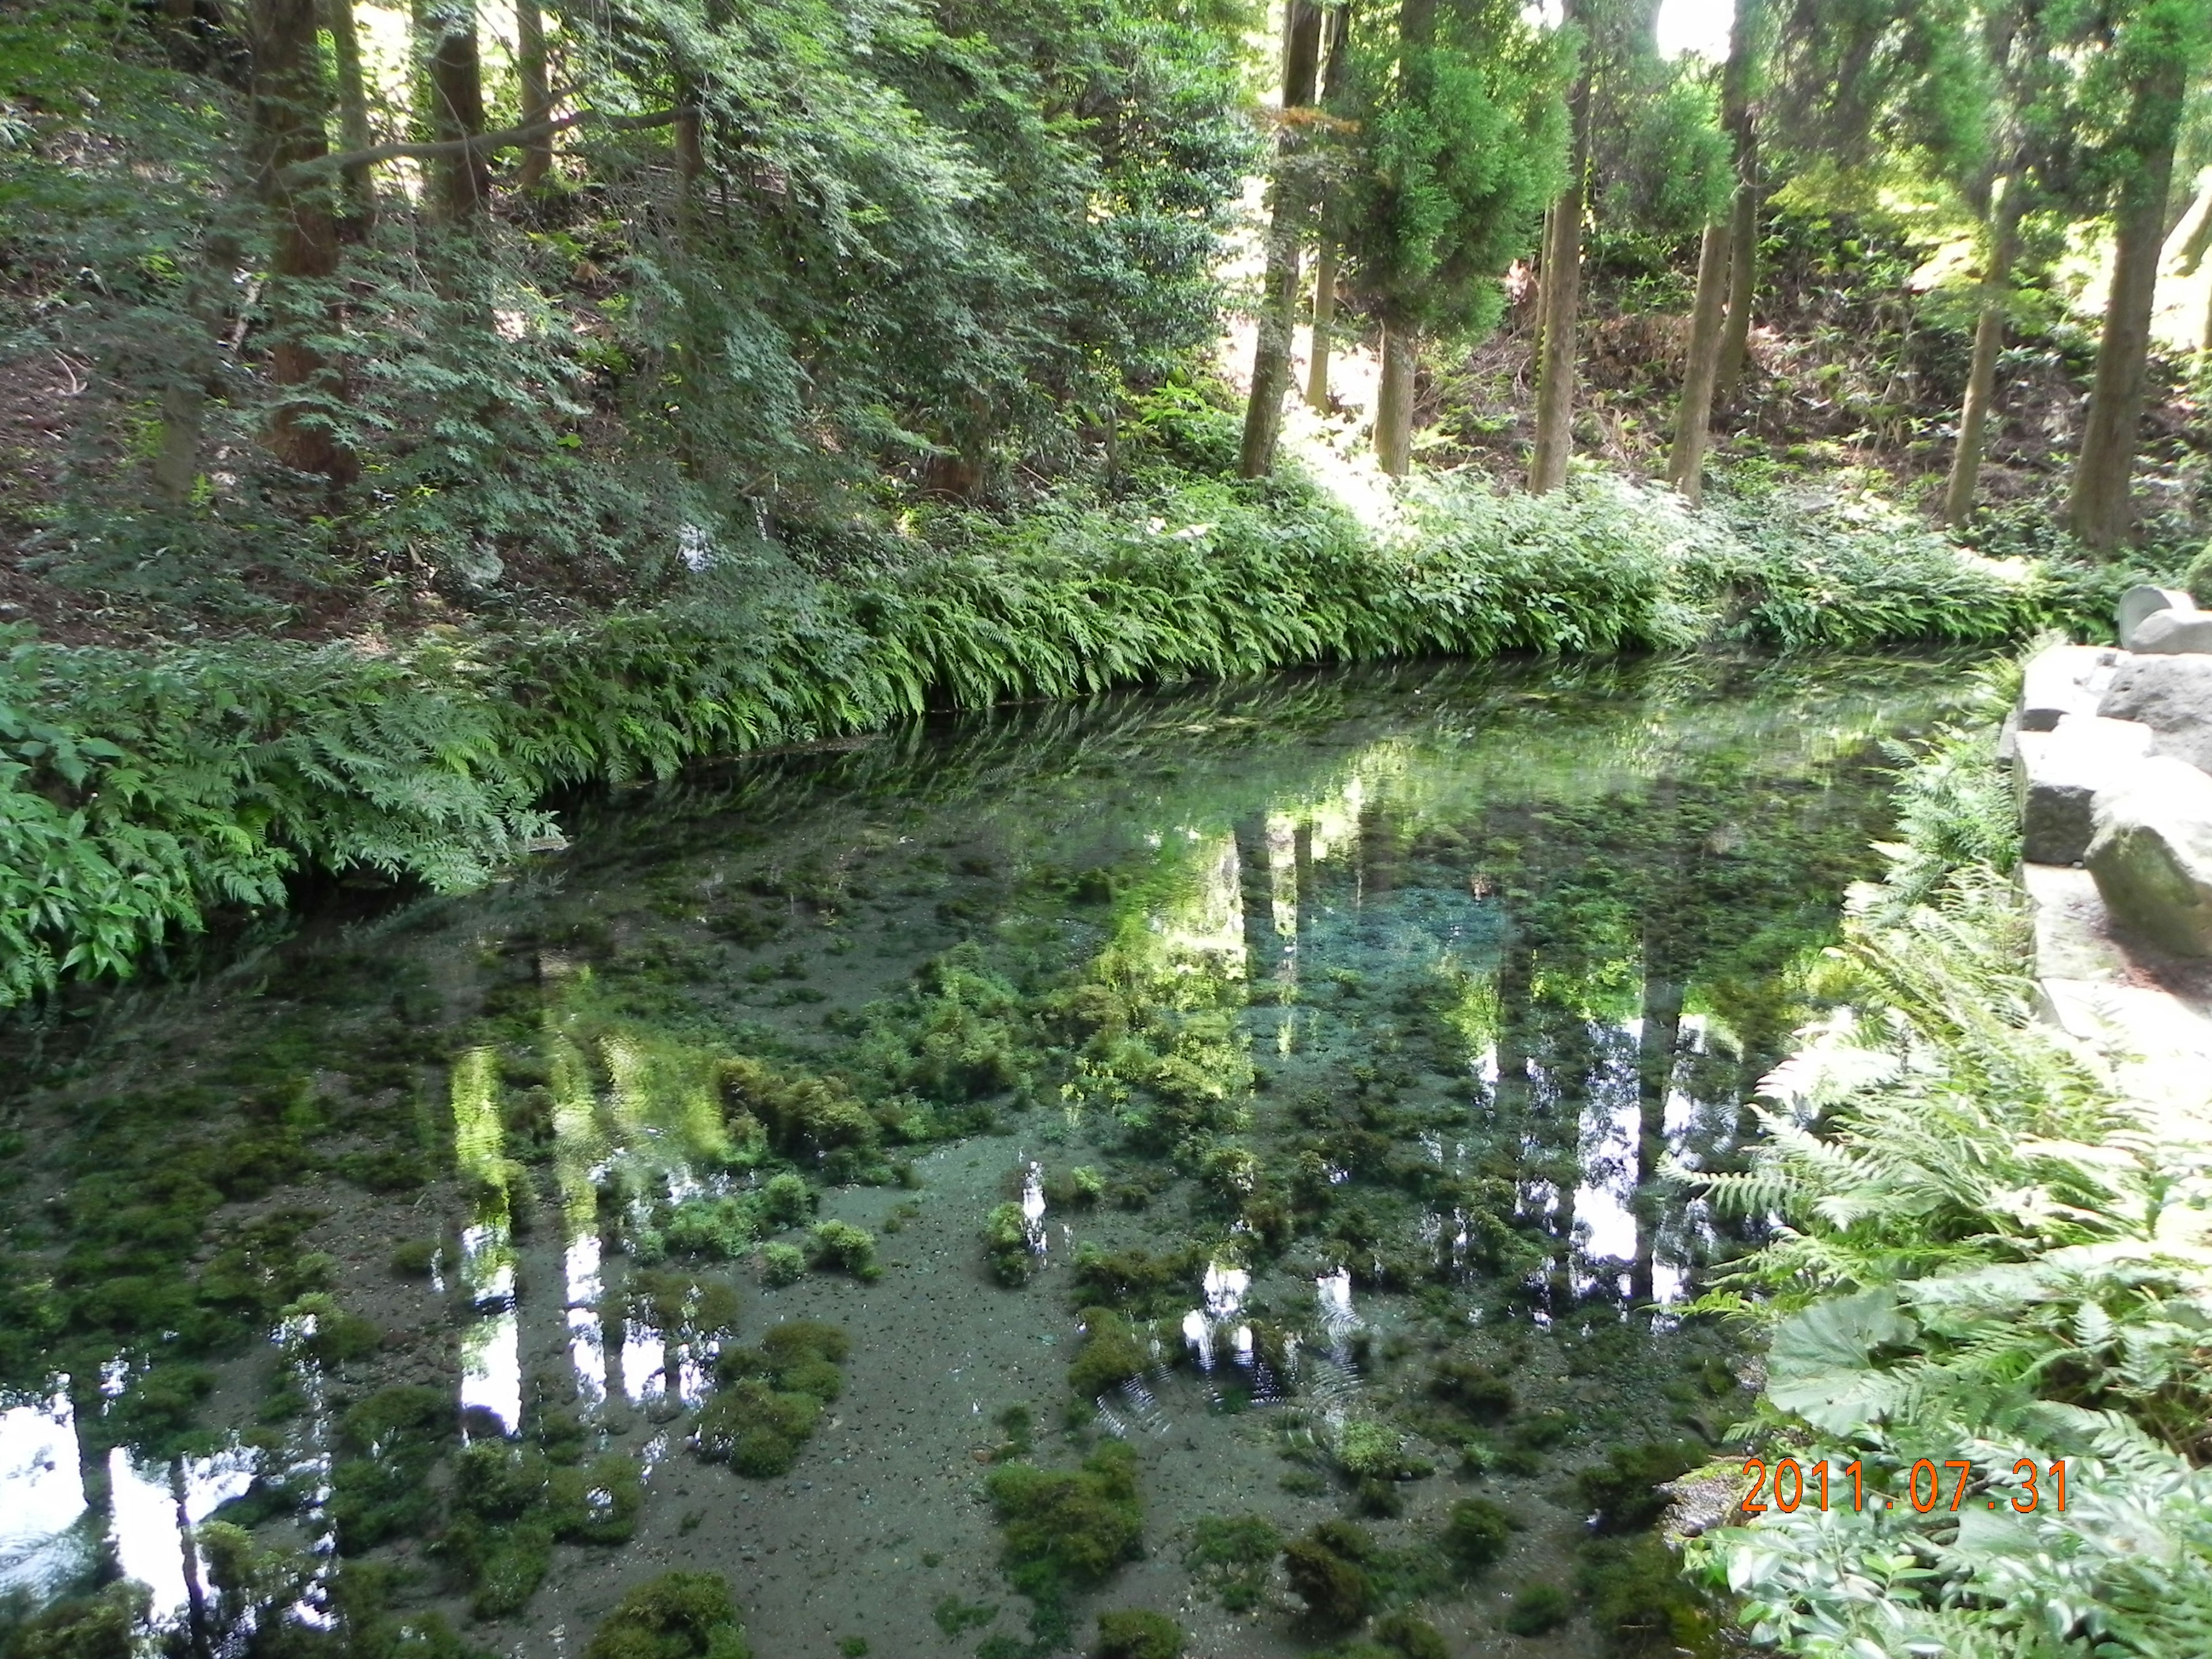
[(1990, 1258), (145, 789), (1067, 1531)]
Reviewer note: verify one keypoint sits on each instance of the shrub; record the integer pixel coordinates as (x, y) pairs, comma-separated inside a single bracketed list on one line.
[(1138, 1633), (679, 1615)]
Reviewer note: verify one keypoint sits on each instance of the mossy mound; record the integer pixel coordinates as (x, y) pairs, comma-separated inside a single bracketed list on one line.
[(1230, 1555), (1111, 1354), (1641, 1603), (1477, 1532), (1539, 1608), (1136, 1633), (1328, 1574), (1623, 1492), (769, 1398), (1008, 1246), (679, 1615), (1067, 1530)]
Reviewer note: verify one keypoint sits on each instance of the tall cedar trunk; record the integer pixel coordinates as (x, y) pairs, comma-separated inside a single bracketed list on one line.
[(1394, 403), (452, 88), (353, 115), (1336, 33), (1324, 324), (1562, 277), (1988, 342), (1279, 298), (2101, 510), (1686, 463), (288, 119), (1743, 285), (537, 93), (1393, 398)]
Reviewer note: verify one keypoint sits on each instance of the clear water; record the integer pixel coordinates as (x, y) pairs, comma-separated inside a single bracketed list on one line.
[(1375, 1003)]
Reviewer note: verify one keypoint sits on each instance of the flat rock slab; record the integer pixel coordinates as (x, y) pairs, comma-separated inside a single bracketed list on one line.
[(2152, 854), (2172, 695), (2056, 775), (2073, 931), (2067, 679)]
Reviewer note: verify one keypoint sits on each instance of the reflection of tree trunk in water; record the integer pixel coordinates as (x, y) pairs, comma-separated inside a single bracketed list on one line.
[(1517, 977), (1378, 852), (98, 1521), (1256, 898), (1656, 1048), (195, 1615)]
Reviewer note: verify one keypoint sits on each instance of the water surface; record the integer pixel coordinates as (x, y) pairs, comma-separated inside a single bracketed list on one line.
[(1328, 1032)]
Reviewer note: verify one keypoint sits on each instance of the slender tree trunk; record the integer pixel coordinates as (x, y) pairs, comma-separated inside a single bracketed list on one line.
[(1743, 286), (1685, 462), (537, 93), (1324, 324), (1562, 278), (1989, 343), (288, 117), (1279, 300), (353, 115), (2101, 511), (1393, 402), (452, 90), (1336, 35)]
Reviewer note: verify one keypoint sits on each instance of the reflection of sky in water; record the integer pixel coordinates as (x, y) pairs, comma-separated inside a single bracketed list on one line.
[(149, 1545), (491, 1368), (45, 1493), (1606, 1224)]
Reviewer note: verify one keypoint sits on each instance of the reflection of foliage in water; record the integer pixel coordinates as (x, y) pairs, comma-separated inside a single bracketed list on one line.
[(1152, 907)]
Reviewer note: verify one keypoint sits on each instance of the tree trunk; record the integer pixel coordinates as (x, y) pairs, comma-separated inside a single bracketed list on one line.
[(453, 90), (1989, 342), (1256, 894), (1324, 324), (288, 119), (537, 93), (1743, 287), (2100, 513), (1685, 462), (1394, 403), (353, 116), (1562, 278), (1279, 298)]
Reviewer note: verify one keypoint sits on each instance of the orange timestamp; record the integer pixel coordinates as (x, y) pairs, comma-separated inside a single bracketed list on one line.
[(1791, 1485)]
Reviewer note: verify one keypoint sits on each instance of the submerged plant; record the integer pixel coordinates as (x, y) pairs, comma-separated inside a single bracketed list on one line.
[(679, 1615), (1067, 1530), (1231, 1556), (768, 1400), (1136, 1633), (842, 1247), (1111, 1354), (1327, 1573), (1009, 1243)]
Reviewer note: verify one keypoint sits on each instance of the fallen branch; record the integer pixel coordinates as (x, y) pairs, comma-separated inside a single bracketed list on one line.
[(481, 143)]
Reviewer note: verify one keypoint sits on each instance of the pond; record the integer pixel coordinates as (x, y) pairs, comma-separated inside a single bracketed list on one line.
[(956, 1184)]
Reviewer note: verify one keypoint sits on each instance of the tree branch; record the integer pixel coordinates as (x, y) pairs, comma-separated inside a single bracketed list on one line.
[(505, 138)]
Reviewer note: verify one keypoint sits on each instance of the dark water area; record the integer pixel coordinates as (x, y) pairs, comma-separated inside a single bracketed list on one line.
[(819, 1173)]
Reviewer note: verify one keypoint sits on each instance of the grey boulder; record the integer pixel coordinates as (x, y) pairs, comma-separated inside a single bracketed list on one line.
[(2056, 775), (2175, 633), (2141, 602), (2172, 695), (2152, 854), (2067, 679)]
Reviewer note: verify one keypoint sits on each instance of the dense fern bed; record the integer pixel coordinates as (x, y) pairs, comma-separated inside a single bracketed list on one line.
[(143, 788)]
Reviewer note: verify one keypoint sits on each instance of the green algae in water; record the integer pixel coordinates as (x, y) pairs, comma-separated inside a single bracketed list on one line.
[(1337, 1058)]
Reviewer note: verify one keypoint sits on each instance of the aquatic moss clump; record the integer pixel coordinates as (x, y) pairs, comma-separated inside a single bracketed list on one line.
[(1067, 1530), (1473, 1388), (718, 1228), (1009, 1246), (839, 1247), (1136, 1282), (1230, 1555), (1477, 1532), (814, 1121), (101, 1626), (769, 1398), (961, 1034), (679, 1615), (1539, 1608), (1111, 1354), (1136, 1633), (512, 1504), (782, 1264), (388, 1445), (1623, 1492), (1642, 1604), (1327, 1569)]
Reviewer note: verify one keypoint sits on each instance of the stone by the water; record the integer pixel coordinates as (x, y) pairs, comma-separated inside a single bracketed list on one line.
[(2152, 854), (2139, 604), (2172, 695), (2067, 679), (2056, 775), (2175, 633)]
